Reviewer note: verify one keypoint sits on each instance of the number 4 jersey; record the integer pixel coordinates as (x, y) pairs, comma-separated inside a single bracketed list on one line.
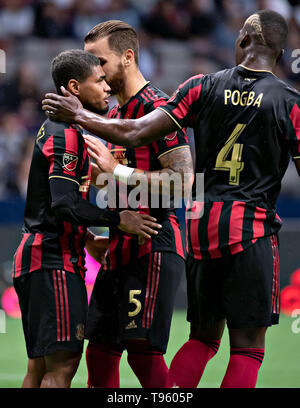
[(246, 124)]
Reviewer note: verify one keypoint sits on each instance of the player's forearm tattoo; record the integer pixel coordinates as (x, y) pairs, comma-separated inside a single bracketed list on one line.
[(178, 160)]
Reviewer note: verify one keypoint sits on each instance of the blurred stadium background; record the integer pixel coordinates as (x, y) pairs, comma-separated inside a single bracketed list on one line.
[(178, 38)]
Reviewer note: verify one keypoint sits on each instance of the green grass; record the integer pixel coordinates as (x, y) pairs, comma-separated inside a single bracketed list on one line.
[(280, 369)]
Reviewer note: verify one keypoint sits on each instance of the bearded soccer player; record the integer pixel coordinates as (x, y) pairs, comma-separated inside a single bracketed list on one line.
[(133, 297), (247, 125), (48, 268)]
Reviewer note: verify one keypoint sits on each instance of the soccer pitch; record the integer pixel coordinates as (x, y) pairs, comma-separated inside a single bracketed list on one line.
[(280, 368)]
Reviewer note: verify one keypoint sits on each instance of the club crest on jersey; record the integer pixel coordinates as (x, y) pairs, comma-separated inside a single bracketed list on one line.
[(69, 161), (120, 155)]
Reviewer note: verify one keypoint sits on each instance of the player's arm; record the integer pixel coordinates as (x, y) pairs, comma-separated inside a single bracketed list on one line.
[(68, 205), (122, 132), (175, 115), (64, 152), (292, 132), (176, 161), (178, 165), (96, 246)]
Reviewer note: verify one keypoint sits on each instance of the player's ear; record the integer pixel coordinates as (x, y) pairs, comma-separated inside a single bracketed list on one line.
[(128, 57), (280, 55), (245, 40), (73, 87)]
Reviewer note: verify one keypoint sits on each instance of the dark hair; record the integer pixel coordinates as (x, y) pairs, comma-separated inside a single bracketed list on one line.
[(72, 64), (274, 30), (121, 36)]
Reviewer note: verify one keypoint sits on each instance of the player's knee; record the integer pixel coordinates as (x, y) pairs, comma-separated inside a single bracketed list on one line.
[(62, 367), (97, 349), (139, 347), (35, 373), (212, 334), (36, 366), (248, 337)]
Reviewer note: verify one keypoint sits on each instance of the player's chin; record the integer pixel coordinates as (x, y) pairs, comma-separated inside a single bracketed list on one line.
[(100, 108)]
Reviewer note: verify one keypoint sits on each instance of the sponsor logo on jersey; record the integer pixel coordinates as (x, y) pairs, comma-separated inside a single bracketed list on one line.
[(120, 155), (131, 325)]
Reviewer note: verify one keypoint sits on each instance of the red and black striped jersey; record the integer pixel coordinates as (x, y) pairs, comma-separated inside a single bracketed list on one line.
[(48, 243), (124, 247), (246, 125)]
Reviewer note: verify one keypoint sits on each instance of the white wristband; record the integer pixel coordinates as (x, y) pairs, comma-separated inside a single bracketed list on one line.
[(123, 173)]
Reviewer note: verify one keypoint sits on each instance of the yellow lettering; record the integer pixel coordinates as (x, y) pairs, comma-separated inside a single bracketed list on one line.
[(227, 95), (258, 100), (250, 98), (244, 98), (237, 101)]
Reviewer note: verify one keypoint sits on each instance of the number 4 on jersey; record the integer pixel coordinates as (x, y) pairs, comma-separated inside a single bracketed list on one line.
[(235, 165)]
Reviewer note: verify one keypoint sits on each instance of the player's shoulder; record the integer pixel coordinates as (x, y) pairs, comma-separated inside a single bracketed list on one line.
[(285, 88), (280, 93), (58, 128), (58, 131), (152, 97)]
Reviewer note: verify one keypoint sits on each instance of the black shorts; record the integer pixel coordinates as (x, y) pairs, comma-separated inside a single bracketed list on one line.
[(243, 288), (54, 309), (136, 301)]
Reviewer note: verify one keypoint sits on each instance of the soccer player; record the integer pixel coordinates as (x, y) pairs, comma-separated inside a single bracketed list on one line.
[(133, 297), (48, 267), (246, 123)]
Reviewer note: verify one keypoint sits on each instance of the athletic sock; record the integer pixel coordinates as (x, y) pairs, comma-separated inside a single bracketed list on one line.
[(103, 363), (189, 362), (148, 364), (243, 367)]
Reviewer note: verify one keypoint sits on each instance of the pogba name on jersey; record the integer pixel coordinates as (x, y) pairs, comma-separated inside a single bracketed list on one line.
[(242, 98)]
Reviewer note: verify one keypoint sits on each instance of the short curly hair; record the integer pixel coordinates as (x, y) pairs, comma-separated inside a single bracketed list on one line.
[(72, 64)]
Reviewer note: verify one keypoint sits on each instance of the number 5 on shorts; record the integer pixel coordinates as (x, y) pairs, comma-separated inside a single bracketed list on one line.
[(135, 301)]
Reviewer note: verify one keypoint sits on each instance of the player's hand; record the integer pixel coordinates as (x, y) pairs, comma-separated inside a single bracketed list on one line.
[(132, 222), (100, 153), (61, 108), (96, 247)]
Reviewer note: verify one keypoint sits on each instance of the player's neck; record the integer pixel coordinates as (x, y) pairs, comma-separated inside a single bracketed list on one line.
[(258, 63), (133, 84)]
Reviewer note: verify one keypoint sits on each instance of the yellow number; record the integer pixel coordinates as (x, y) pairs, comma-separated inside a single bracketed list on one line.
[(135, 301), (40, 134), (235, 165)]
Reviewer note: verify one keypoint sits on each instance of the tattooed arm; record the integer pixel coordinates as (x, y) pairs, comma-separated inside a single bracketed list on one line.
[(176, 164)]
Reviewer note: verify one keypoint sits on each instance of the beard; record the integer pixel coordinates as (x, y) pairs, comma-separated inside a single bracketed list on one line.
[(117, 81), (93, 109)]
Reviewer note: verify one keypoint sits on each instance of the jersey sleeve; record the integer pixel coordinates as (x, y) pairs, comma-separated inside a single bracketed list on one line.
[(174, 141), (64, 151), (293, 130), (186, 102)]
